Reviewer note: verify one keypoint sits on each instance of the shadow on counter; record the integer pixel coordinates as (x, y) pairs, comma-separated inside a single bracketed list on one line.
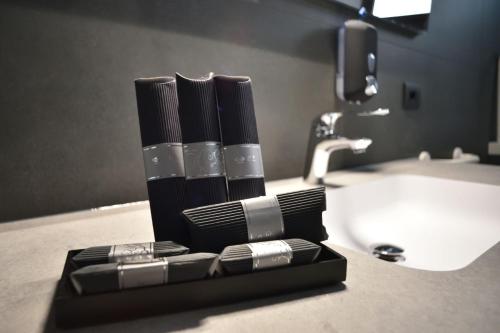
[(190, 319)]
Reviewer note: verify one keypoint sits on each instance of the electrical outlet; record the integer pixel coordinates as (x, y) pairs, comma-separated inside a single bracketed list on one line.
[(411, 96)]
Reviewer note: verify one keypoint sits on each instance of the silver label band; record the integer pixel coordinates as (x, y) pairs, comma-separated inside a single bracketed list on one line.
[(243, 161), (203, 160), (131, 252), (270, 254), (131, 275), (163, 160), (264, 218)]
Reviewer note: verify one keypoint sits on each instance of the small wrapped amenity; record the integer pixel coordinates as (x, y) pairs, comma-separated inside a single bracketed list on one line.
[(127, 252), (117, 276), (288, 215), (245, 258)]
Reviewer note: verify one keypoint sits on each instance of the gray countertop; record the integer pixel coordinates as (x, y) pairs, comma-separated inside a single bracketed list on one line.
[(377, 296)]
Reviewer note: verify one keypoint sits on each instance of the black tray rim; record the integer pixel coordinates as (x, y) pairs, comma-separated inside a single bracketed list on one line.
[(331, 271)]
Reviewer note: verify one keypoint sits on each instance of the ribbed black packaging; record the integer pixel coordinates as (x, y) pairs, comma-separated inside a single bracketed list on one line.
[(114, 253), (214, 227), (118, 276), (160, 131), (242, 155), (199, 120), (236, 259)]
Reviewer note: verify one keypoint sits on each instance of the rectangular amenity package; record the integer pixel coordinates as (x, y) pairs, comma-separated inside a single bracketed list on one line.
[(201, 142), (162, 152), (287, 215), (125, 275), (242, 153), (246, 258), (127, 252)]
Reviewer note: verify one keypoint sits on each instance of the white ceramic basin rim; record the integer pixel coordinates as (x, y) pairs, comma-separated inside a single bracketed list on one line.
[(441, 224)]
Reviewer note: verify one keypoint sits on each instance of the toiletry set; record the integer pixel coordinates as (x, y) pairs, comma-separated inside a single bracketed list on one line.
[(219, 238)]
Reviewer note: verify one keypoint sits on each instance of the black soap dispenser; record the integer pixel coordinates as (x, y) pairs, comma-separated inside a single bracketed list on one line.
[(356, 62)]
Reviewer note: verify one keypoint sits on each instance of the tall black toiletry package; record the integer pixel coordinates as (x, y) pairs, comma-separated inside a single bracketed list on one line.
[(161, 136), (203, 162), (242, 153)]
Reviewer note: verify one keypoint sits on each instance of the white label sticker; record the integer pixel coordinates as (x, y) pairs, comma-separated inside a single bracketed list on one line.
[(203, 160), (270, 254), (131, 275), (131, 252), (243, 161), (264, 218), (163, 160)]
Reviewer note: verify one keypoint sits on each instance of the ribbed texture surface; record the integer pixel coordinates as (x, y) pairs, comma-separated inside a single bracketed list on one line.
[(238, 126), (198, 110), (205, 191), (190, 267), (246, 188), (166, 200), (302, 213), (236, 110), (304, 252), (96, 278), (200, 122), (167, 249), (92, 256), (157, 107), (104, 277), (100, 254), (298, 202), (212, 228), (238, 258)]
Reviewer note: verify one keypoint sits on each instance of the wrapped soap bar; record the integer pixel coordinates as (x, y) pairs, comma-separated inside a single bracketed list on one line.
[(250, 257), (127, 252), (117, 276), (288, 215)]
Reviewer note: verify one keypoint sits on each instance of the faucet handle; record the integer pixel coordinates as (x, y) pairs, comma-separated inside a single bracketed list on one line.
[(371, 85), (377, 112), (326, 124)]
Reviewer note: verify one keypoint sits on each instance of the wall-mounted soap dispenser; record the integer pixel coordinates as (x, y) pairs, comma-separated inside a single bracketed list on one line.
[(356, 62)]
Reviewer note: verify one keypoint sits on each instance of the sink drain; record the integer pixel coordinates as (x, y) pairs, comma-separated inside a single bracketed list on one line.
[(388, 252)]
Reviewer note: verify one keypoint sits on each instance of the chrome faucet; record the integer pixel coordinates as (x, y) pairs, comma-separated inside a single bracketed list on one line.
[(330, 142)]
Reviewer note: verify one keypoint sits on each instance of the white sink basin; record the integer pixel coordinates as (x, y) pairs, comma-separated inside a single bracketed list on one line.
[(441, 224)]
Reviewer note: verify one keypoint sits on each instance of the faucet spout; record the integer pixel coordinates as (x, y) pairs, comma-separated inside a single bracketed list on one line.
[(359, 146), (323, 151)]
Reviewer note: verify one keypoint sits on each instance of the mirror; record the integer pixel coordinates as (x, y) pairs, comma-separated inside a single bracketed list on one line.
[(409, 15)]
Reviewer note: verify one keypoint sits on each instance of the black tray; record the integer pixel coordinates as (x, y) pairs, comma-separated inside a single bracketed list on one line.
[(72, 310)]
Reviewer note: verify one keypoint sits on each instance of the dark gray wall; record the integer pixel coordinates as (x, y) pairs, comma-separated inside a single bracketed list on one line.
[(70, 135)]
